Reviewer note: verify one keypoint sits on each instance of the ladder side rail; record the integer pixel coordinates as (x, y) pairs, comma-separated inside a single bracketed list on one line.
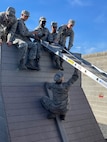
[(86, 62), (85, 71), (78, 66)]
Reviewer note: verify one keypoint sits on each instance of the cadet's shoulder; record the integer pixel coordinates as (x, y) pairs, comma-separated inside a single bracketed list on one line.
[(20, 21), (15, 20), (62, 27), (71, 31), (2, 14), (46, 29), (37, 28)]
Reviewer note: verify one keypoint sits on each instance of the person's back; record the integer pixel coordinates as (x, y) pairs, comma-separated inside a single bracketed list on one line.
[(59, 102)]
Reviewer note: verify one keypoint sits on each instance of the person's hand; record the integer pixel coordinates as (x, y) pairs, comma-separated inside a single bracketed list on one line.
[(76, 71), (34, 32), (9, 43), (1, 41), (43, 35)]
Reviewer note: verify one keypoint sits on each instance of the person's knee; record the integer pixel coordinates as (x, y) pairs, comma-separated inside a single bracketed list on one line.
[(23, 45)]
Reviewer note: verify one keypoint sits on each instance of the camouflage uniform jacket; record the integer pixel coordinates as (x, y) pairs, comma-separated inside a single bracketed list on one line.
[(43, 33), (60, 93), (7, 26), (63, 33), (22, 31), (53, 37)]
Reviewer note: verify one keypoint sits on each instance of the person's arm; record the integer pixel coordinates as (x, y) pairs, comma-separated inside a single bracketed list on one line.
[(11, 33), (48, 85), (71, 40), (59, 32), (23, 30), (1, 26), (73, 78), (50, 38)]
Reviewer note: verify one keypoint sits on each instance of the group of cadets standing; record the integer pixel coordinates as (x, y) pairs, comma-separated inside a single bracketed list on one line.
[(14, 31)]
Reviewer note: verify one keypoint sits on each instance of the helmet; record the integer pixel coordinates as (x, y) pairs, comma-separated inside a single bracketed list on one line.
[(54, 24), (42, 19), (25, 13), (10, 11), (71, 22), (58, 77)]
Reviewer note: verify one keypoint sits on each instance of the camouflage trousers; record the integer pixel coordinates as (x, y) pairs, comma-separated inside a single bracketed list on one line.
[(26, 49), (52, 107)]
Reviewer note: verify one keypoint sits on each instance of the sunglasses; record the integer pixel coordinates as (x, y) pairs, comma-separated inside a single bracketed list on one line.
[(55, 27), (71, 25), (26, 16)]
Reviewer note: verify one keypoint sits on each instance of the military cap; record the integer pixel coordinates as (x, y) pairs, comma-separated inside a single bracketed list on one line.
[(42, 19), (58, 77), (71, 22), (10, 11), (54, 24), (26, 13)]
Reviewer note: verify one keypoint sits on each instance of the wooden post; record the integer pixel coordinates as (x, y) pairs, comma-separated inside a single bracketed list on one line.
[(61, 130)]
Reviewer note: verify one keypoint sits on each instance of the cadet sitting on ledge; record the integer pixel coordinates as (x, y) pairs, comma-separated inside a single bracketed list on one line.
[(8, 24), (58, 104), (24, 43)]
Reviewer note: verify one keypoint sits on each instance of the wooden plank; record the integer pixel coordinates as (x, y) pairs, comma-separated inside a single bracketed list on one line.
[(62, 131)]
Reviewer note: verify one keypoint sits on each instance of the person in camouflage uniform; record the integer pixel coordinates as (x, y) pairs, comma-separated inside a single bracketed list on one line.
[(65, 31), (58, 103), (53, 35), (25, 44), (8, 24), (42, 34)]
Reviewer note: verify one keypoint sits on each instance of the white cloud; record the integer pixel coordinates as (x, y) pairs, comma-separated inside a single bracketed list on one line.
[(101, 18), (79, 2), (90, 48)]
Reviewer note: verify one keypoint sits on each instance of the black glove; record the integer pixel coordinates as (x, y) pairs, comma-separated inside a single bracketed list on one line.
[(75, 71)]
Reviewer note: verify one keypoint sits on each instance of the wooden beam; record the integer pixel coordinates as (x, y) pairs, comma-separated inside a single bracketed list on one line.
[(59, 124)]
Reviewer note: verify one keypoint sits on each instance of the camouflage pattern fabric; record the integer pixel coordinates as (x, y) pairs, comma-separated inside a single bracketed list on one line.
[(22, 39), (8, 26), (63, 33), (59, 103)]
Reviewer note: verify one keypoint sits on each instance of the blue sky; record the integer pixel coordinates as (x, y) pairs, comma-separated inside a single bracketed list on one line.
[(90, 16)]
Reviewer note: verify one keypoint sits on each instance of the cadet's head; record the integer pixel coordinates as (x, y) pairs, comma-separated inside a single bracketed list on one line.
[(25, 15), (10, 12), (70, 23), (42, 21), (54, 26), (58, 77)]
